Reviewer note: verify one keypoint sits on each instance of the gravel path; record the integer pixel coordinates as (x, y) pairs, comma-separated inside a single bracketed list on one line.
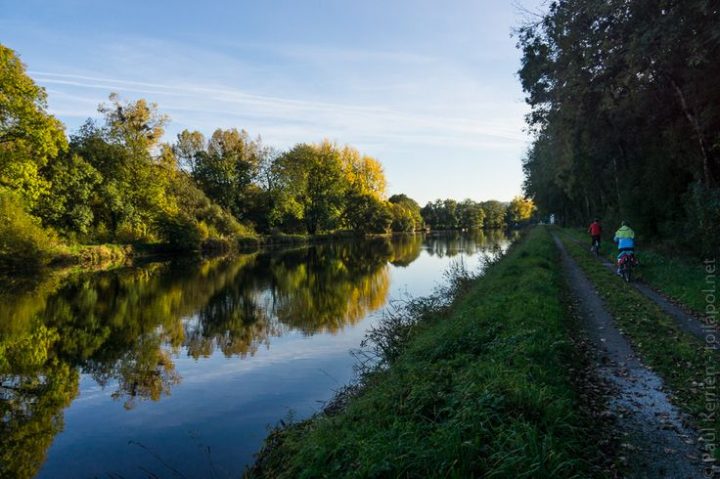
[(656, 441)]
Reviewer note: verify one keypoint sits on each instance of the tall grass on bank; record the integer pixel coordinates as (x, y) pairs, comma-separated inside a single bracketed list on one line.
[(480, 388)]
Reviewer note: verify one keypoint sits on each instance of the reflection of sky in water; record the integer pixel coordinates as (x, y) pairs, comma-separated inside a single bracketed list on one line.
[(223, 404)]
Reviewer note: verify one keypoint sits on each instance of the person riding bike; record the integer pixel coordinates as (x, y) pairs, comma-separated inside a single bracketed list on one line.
[(625, 239), (595, 231)]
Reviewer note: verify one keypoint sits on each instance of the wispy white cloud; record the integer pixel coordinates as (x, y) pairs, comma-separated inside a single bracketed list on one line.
[(408, 106), (286, 116)]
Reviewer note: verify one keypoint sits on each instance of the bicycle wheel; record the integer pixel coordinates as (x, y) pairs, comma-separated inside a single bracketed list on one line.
[(627, 273)]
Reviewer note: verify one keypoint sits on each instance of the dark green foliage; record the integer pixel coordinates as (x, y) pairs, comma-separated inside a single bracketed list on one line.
[(29, 135), (67, 204), (313, 186), (471, 215), (495, 213), (181, 232), (703, 213), (626, 115), (468, 214), (225, 168), (405, 212), (366, 214), (441, 214)]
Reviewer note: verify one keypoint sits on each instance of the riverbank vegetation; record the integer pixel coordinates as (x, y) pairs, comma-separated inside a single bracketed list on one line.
[(626, 116), (117, 181), (479, 388)]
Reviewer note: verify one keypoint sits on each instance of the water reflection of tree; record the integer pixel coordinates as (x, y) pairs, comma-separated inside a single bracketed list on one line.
[(124, 327), (406, 249), (329, 286), (316, 289), (34, 389), (470, 243), (233, 320)]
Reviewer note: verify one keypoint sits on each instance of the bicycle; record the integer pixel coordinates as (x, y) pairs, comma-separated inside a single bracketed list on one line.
[(595, 248), (627, 263)]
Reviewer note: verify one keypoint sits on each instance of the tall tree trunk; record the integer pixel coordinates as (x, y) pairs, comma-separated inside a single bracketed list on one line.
[(616, 178), (587, 206), (698, 131)]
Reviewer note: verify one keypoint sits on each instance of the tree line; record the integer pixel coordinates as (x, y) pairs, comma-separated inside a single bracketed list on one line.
[(626, 115), (115, 180), (449, 214)]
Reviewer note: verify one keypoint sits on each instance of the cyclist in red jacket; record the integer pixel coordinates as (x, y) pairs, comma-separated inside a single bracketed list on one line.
[(595, 231)]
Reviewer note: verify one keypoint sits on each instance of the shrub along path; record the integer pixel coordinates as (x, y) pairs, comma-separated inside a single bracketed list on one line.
[(657, 441)]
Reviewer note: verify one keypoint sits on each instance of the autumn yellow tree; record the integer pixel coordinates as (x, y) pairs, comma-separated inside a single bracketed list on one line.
[(364, 173), (521, 209)]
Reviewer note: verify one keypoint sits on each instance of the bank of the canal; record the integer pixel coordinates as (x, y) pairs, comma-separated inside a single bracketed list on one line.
[(488, 387)]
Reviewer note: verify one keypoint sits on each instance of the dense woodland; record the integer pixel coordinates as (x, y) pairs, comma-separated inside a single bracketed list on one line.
[(116, 181), (626, 116)]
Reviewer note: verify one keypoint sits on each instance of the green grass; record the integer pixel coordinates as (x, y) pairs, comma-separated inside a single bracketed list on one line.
[(678, 277), (678, 357), (482, 390), (681, 279)]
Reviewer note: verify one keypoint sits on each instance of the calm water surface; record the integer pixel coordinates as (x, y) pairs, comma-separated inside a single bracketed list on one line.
[(176, 369)]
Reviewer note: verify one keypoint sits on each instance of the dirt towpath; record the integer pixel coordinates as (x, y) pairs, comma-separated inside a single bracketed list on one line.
[(656, 440), (688, 322)]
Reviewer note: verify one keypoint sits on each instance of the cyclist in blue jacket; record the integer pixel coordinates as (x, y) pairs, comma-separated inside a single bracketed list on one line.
[(625, 239)]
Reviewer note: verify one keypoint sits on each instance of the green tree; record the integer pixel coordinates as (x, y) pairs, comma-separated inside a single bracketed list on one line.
[(441, 214), (625, 114), (313, 184), (405, 213), (29, 135), (132, 194), (111, 207), (188, 145), (226, 168), (67, 205), (364, 213), (470, 215), (495, 213)]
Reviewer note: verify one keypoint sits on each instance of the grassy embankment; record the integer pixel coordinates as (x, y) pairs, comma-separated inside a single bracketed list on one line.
[(481, 388), (680, 278), (682, 360)]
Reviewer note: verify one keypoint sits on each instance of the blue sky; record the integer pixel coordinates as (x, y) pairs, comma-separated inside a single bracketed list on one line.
[(427, 87)]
